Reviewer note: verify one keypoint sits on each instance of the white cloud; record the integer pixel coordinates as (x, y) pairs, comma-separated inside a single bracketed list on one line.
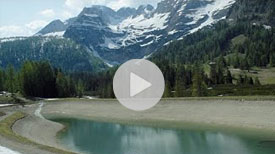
[(37, 24), (67, 14), (120, 3), (78, 5), (49, 13), (22, 30), (75, 6), (12, 30)]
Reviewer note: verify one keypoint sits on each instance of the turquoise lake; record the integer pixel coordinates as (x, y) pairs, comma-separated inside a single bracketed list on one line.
[(107, 138)]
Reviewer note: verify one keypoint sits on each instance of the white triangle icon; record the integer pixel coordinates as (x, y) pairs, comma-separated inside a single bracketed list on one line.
[(138, 84)]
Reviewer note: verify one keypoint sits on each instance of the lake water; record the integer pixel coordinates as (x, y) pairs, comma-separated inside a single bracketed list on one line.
[(106, 138)]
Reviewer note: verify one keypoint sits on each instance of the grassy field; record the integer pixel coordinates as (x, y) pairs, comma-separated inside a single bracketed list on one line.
[(6, 131), (6, 124), (239, 40), (265, 75), (5, 100)]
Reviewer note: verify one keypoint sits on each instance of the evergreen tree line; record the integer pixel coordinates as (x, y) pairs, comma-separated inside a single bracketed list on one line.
[(39, 79), (181, 80), (97, 83), (192, 80)]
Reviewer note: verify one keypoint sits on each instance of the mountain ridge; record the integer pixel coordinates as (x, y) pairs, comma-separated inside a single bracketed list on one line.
[(139, 32)]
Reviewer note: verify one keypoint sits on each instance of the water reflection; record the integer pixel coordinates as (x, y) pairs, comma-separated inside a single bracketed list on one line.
[(105, 138)]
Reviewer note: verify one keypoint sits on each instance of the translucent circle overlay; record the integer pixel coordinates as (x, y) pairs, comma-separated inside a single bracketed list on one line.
[(145, 73)]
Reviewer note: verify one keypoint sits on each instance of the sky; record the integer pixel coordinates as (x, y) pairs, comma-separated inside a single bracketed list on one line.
[(26, 17)]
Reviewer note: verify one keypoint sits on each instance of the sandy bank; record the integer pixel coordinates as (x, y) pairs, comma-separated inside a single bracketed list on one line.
[(37, 131), (252, 117), (40, 131)]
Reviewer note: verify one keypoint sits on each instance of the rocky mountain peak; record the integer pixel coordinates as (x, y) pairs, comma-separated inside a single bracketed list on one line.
[(126, 12), (54, 26)]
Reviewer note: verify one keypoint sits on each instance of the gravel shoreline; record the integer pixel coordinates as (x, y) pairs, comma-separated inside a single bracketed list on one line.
[(245, 117)]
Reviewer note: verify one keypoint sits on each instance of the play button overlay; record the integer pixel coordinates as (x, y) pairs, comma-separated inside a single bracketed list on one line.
[(138, 84)]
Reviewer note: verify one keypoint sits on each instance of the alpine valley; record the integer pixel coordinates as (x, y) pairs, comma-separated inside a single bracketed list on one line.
[(100, 36)]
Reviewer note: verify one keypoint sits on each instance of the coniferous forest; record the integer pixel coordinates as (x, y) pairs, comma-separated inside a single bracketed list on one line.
[(39, 79)]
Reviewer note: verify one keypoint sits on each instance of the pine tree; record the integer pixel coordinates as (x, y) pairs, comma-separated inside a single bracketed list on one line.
[(220, 76), (198, 87), (229, 78), (236, 63), (168, 90), (246, 80), (46, 79), (251, 82), (180, 88), (27, 79), (241, 80), (72, 87), (62, 85), (2, 80), (244, 65), (257, 81), (80, 88), (272, 60), (180, 81), (213, 73), (10, 83), (222, 62)]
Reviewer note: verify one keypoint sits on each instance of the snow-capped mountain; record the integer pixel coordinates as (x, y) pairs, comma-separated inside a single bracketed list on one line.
[(117, 36)]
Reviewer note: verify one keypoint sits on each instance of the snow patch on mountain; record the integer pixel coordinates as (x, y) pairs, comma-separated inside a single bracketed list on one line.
[(141, 24), (167, 43), (2, 40), (172, 32), (59, 34), (147, 56), (209, 11), (136, 27), (109, 43), (146, 44), (180, 11), (4, 150), (91, 15)]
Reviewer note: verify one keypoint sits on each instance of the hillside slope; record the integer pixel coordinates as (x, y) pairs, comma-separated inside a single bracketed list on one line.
[(61, 53)]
